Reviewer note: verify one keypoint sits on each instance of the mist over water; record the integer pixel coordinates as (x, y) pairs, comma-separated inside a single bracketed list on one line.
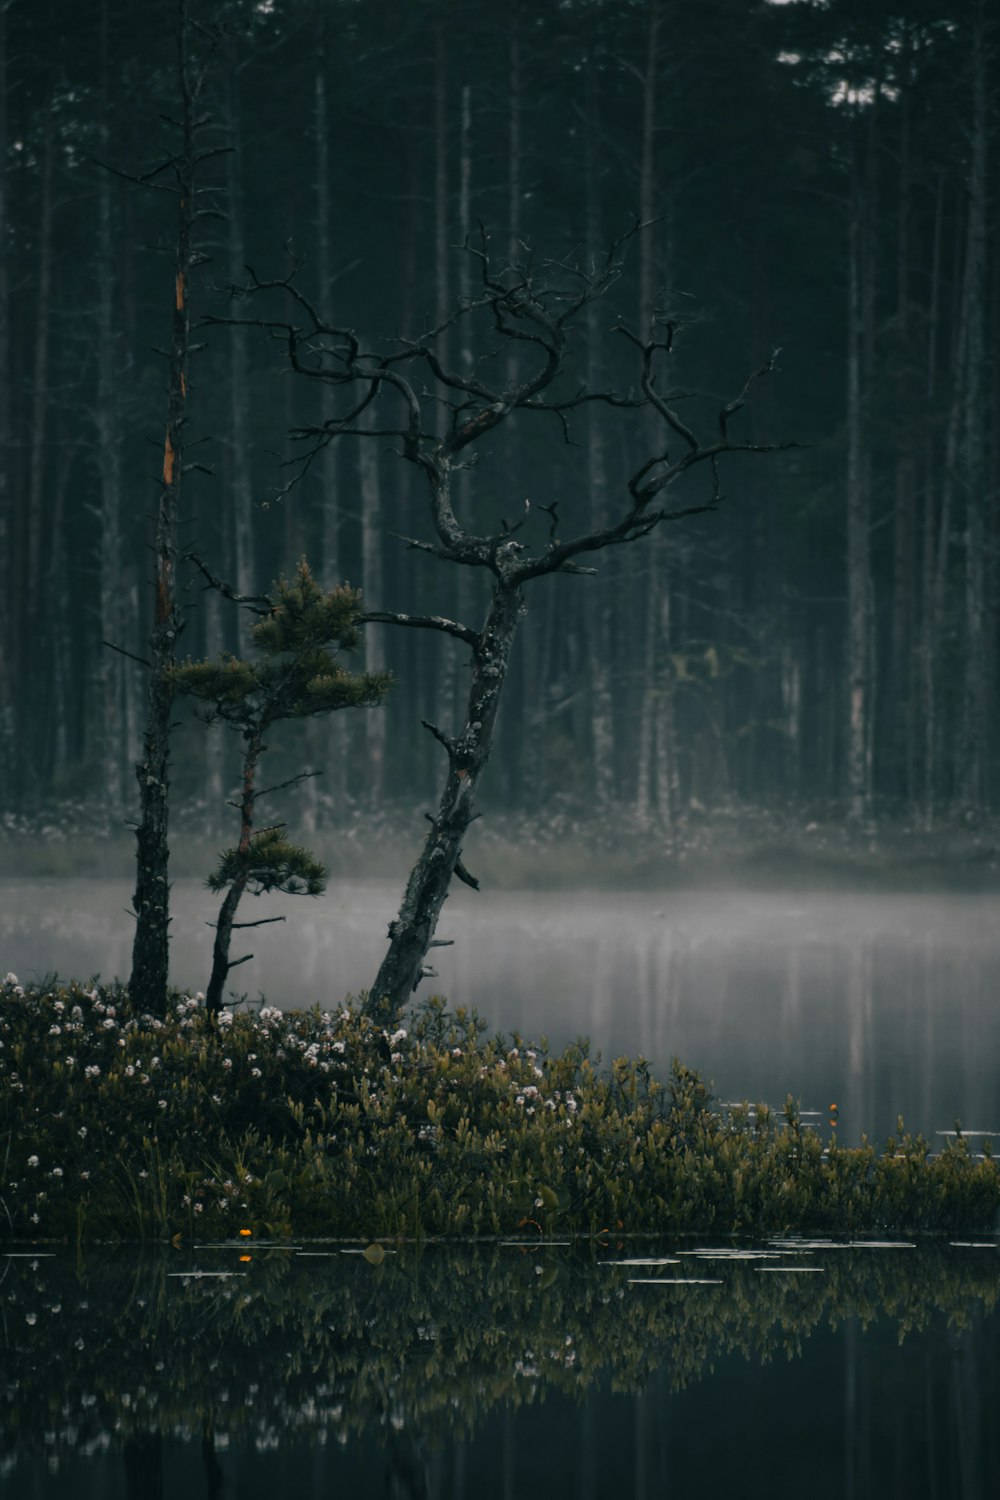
[(883, 1005)]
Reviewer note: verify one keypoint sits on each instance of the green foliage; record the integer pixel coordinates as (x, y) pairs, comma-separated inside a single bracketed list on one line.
[(126, 1126), (272, 864), (297, 674)]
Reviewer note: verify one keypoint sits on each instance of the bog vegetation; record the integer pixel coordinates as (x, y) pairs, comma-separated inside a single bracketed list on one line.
[(116, 1125)]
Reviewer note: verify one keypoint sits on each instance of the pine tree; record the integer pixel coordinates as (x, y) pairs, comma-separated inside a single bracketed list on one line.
[(298, 634)]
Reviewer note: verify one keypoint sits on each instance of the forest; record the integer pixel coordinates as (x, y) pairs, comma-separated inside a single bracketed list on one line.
[(801, 189)]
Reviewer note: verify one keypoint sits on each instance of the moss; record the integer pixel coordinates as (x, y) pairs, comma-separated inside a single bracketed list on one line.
[(124, 1126)]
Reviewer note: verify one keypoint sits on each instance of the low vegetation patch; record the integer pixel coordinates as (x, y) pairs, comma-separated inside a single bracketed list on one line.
[(122, 1126)]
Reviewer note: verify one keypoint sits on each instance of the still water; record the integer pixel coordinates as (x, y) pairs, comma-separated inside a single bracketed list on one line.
[(505, 1371), (881, 1004)]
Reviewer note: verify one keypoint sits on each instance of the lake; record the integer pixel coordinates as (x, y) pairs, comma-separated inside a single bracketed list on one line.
[(502, 1371), (881, 1004)]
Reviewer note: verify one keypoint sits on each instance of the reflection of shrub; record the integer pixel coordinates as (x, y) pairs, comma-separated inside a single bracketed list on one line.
[(99, 1349), (117, 1125)]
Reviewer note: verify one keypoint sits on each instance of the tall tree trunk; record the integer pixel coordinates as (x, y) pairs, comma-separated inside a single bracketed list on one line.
[(928, 560), (151, 901), (656, 705), (110, 699), (33, 603), (370, 490), (901, 673), (7, 594), (446, 687), (972, 450), (333, 744), (239, 511), (597, 625), (859, 581)]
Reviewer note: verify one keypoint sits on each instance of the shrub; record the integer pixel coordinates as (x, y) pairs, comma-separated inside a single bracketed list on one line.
[(114, 1125)]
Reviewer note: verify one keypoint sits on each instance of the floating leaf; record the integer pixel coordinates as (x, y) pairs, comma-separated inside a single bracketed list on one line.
[(374, 1254)]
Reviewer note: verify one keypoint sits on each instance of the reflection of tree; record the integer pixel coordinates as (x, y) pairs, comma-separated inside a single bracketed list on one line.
[(423, 1346), (143, 1456)]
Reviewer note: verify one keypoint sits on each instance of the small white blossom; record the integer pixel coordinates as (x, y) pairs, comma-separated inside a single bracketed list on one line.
[(227, 1062), (397, 1036), (337, 1047), (254, 1072), (92, 1071), (82, 1132), (32, 1161)]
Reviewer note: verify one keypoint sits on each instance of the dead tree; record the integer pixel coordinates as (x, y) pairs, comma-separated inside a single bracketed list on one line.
[(532, 314), (176, 175)]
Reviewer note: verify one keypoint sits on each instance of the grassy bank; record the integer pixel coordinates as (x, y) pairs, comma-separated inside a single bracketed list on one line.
[(115, 1126)]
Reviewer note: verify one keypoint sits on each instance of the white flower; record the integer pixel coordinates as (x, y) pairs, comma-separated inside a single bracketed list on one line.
[(57, 1171), (10, 979), (82, 1132), (254, 1072), (92, 1071), (162, 1103), (198, 1208), (227, 1062), (337, 1047), (108, 1023), (85, 1176), (70, 1062), (225, 1018), (31, 1318), (32, 1161), (397, 1036), (55, 1031)]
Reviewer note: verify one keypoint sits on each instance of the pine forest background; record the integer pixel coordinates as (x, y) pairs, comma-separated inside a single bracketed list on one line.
[(819, 177)]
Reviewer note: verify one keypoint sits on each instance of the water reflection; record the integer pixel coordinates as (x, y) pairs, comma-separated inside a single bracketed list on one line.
[(883, 1004), (501, 1372)]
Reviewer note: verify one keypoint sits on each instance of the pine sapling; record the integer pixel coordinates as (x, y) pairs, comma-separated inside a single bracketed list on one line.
[(295, 676)]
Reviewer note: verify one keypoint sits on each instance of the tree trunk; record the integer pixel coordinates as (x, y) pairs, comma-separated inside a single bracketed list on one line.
[(901, 671), (656, 707), (412, 933), (597, 624), (370, 489), (859, 584), (150, 950), (110, 698), (972, 450), (227, 912), (33, 606), (331, 738), (7, 595)]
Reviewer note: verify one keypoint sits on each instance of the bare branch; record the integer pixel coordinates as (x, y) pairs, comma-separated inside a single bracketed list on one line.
[(420, 622), (249, 601), (442, 738), (280, 786), (131, 655)]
